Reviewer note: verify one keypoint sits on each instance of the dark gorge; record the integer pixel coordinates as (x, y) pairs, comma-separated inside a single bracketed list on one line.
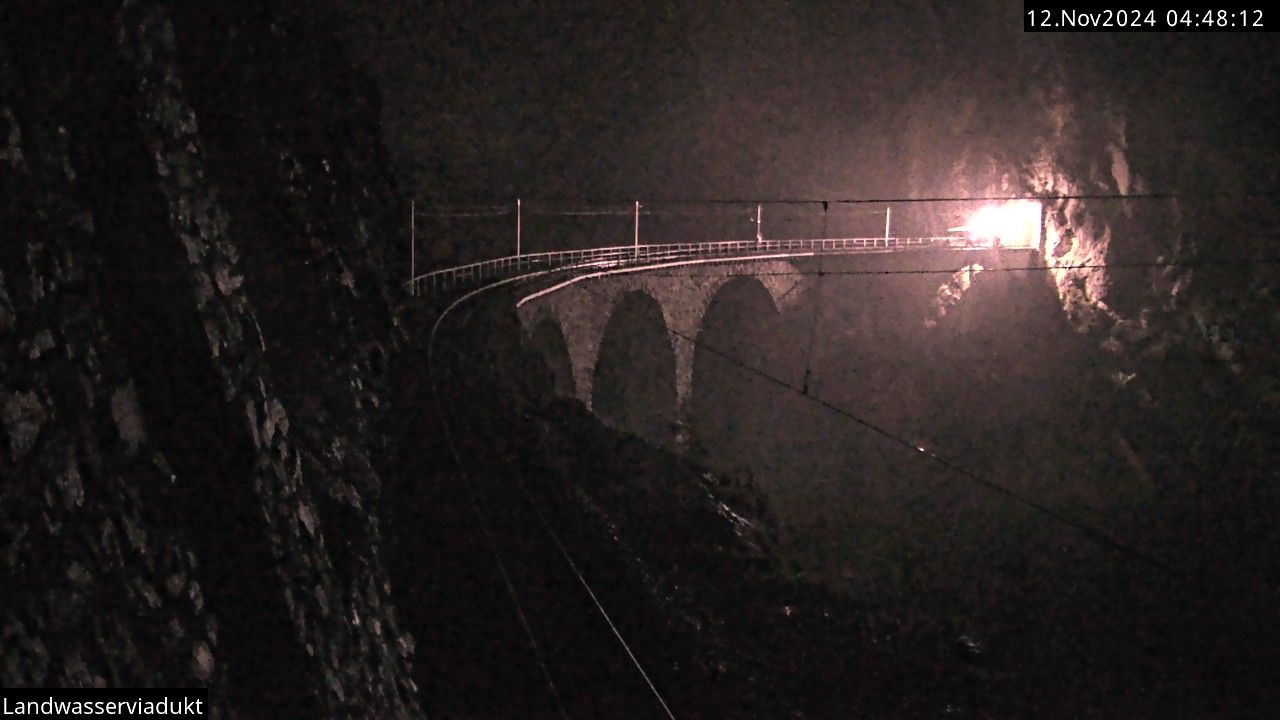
[(238, 454)]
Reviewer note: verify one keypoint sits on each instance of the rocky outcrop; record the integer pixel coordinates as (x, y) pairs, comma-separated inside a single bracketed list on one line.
[(103, 584), (196, 329), (1176, 287)]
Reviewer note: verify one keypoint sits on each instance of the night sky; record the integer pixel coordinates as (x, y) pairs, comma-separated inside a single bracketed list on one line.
[(769, 99)]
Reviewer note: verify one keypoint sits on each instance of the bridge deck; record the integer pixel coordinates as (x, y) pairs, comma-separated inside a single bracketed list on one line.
[(450, 279)]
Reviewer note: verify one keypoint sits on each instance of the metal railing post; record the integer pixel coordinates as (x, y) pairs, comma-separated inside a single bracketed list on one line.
[(453, 278), (413, 284)]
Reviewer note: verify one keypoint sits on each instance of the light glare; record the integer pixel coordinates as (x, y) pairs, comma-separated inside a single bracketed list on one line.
[(1014, 224)]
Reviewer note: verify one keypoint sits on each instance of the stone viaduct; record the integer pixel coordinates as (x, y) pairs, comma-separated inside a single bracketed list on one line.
[(582, 306)]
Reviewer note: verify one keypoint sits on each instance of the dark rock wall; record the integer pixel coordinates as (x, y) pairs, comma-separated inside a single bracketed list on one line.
[(102, 585), (195, 329), (1177, 295), (1163, 263)]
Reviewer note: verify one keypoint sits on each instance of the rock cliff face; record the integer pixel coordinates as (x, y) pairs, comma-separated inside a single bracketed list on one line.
[(1163, 260), (1177, 293), (195, 328)]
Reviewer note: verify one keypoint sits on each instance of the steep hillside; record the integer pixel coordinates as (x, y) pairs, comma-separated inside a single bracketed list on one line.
[(196, 331)]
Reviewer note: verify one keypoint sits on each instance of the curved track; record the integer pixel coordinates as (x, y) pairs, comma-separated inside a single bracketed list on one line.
[(582, 657)]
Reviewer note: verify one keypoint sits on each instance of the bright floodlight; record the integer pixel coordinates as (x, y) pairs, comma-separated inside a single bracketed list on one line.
[(1015, 224)]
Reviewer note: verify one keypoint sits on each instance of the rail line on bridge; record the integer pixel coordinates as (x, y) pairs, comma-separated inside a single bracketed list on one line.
[(445, 280)]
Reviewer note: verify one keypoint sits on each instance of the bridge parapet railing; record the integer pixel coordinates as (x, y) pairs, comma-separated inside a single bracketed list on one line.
[(451, 279)]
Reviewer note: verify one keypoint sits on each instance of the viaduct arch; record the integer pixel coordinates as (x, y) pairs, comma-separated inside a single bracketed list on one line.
[(583, 309)]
